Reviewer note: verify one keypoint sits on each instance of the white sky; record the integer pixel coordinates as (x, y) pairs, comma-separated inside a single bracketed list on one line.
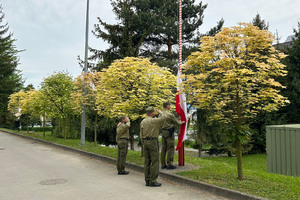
[(52, 32)]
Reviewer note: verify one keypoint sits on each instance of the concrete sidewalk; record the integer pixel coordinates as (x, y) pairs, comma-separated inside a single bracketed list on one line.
[(165, 175)]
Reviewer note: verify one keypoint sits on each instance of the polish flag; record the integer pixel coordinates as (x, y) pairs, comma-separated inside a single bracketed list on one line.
[(181, 109)]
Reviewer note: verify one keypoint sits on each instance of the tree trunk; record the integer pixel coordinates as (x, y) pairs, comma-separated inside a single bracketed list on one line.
[(199, 142), (64, 128), (20, 125), (169, 46), (239, 159), (238, 141), (199, 151), (95, 131), (27, 124), (131, 142), (44, 124)]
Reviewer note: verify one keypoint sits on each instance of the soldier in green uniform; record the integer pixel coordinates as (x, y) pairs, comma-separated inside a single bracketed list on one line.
[(122, 141), (149, 131), (168, 137)]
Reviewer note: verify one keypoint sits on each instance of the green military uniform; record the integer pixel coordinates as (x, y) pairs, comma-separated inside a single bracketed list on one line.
[(122, 140), (149, 132), (168, 138)]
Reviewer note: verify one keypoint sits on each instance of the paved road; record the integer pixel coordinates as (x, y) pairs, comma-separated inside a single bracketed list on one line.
[(34, 171)]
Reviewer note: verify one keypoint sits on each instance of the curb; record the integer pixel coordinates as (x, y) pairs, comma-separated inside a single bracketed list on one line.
[(216, 190)]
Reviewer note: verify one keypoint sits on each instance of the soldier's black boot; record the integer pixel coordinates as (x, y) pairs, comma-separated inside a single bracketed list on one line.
[(164, 167), (123, 173), (155, 184), (147, 183), (171, 167)]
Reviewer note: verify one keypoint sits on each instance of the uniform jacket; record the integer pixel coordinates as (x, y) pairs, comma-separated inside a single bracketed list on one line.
[(150, 127), (170, 119), (123, 130)]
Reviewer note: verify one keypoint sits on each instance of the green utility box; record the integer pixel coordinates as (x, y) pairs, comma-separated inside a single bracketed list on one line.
[(283, 149)]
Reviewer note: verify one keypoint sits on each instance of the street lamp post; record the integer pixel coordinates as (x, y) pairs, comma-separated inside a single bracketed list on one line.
[(83, 116)]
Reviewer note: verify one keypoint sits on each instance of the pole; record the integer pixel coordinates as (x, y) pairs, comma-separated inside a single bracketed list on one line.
[(181, 155), (180, 33), (83, 115), (181, 149)]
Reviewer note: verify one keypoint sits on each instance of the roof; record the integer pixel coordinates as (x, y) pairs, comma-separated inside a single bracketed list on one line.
[(290, 38)]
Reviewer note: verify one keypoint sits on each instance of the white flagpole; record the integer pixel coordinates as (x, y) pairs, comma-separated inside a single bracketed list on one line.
[(180, 34), (181, 149)]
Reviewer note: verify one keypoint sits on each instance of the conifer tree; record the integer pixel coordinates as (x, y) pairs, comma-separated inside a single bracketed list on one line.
[(260, 23), (10, 78), (162, 42), (149, 28), (124, 38), (292, 80)]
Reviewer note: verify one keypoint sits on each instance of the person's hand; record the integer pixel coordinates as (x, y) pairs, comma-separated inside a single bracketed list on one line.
[(158, 111)]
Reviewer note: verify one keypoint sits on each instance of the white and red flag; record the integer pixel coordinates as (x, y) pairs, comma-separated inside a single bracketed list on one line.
[(181, 109)]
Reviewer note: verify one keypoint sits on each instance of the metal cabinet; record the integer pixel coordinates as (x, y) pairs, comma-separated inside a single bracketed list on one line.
[(283, 149)]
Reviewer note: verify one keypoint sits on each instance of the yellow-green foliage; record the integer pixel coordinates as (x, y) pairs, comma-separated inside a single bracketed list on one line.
[(57, 89), (130, 85), (14, 103), (22, 102), (87, 96), (235, 74)]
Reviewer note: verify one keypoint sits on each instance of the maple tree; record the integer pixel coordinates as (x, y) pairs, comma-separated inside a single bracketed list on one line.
[(234, 76), (14, 103), (87, 96), (57, 90), (21, 103), (130, 85), (41, 108)]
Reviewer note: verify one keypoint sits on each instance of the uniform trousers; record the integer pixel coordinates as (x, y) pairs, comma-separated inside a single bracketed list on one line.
[(167, 149), (151, 156), (122, 153)]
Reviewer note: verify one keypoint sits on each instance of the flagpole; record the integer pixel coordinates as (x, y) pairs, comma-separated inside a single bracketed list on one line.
[(181, 149), (180, 34)]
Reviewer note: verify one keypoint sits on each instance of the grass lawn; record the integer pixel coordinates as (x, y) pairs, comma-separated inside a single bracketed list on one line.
[(220, 171)]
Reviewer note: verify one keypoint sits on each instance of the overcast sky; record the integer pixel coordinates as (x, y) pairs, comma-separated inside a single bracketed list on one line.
[(52, 32)]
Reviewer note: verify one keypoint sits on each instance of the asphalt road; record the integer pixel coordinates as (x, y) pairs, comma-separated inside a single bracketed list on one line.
[(34, 171)]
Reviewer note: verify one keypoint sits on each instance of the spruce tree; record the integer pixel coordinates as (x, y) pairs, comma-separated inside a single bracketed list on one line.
[(161, 43), (162, 19), (260, 23), (10, 78), (292, 80), (124, 38), (149, 28)]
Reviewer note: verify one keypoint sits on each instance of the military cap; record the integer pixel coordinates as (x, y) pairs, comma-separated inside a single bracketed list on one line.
[(165, 104), (121, 118), (150, 110)]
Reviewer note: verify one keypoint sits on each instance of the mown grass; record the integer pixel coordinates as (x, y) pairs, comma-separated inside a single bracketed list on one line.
[(220, 171)]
